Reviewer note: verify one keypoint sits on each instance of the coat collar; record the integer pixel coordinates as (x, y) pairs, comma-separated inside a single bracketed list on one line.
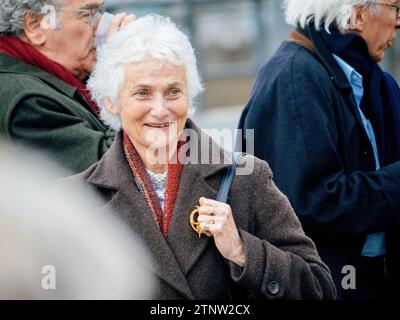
[(14, 66), (313, 42), (11, 65), (322, 53), (176, 256)]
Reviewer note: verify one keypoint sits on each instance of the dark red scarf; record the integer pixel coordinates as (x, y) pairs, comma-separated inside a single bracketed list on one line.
[(175, 169), (22, 51)]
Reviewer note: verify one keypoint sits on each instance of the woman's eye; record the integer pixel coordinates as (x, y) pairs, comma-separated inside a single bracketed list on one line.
[(141, 93), (175, 92)]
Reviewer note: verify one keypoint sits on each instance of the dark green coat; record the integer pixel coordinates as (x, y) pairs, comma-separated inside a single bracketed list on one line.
[(44, 112)]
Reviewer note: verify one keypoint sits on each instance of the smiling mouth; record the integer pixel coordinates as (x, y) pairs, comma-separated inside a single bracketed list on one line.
[(158, 125)]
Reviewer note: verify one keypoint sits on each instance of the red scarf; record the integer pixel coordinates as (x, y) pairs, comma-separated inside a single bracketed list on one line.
[(161, 218), (22, 51)]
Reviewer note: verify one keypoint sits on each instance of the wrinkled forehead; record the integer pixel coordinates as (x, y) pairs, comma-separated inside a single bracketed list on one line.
[(154, 70), (153, 64)]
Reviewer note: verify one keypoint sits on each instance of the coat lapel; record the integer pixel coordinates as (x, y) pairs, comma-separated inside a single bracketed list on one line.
[(113, 173), (194, 184), (339, 78), (133, 210), (12, 65), (182, 239)]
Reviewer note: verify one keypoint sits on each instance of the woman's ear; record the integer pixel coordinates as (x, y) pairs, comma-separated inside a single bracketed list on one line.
[(358, 18), (34, 31), (110, 106)]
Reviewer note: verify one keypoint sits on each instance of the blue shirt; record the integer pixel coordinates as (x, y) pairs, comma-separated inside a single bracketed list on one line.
[(375, 244)]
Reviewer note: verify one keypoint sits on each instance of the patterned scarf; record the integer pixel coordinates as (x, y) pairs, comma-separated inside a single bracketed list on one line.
[(175, 169), (22, 51)]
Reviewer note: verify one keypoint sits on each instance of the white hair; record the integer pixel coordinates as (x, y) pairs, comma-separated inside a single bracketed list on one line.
[(324, 13), (149, 37)]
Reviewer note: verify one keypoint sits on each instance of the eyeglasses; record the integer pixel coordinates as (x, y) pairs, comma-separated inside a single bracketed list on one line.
[(89, 16), (397, 6)]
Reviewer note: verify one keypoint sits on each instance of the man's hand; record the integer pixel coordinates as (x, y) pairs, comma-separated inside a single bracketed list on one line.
[(120, 21)]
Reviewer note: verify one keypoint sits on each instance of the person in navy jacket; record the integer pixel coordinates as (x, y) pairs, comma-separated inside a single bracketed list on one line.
[(326, 118)]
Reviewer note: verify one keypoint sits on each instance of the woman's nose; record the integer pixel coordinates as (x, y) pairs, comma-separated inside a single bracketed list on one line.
[(159, 108)]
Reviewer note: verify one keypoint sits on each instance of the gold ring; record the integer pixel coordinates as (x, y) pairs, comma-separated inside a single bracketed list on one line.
[(211, 222)]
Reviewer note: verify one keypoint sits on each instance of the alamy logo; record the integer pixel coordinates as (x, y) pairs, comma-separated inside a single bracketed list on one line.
[(349, 280), (50, 17), (49, 280)]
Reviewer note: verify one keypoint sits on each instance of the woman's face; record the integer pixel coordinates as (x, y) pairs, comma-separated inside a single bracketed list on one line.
[(154, 104)]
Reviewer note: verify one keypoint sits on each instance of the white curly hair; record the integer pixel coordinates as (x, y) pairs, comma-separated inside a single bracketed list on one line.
[(324, 13), (149, 37)]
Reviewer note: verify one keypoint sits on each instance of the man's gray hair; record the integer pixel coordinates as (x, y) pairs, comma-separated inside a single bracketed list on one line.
[(324, 13), (149, 37), (11, 13)]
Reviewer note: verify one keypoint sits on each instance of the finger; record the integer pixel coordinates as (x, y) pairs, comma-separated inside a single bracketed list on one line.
[(221, 212), (212, 203), (213, 211), (207, 228), (208, 234), (206, 210), (207, 219), (128, 20), (116, 23)]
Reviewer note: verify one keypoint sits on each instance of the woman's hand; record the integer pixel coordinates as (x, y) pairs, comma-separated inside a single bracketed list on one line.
[(216, 220)]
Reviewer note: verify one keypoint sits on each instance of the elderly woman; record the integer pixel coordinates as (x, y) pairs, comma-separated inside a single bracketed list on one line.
[(144, 82), (335, 115)]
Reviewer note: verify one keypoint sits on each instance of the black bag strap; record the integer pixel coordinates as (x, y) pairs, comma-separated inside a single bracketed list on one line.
[(228, 178), (223, 197)]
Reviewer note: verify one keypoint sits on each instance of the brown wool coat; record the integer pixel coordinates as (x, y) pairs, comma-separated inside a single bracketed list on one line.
[(281, 262)]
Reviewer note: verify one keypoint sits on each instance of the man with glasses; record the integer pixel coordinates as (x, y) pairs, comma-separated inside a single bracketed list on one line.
[(326, 118), (46, 53)]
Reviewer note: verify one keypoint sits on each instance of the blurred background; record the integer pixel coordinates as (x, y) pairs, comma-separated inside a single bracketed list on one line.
[(232, 38)]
